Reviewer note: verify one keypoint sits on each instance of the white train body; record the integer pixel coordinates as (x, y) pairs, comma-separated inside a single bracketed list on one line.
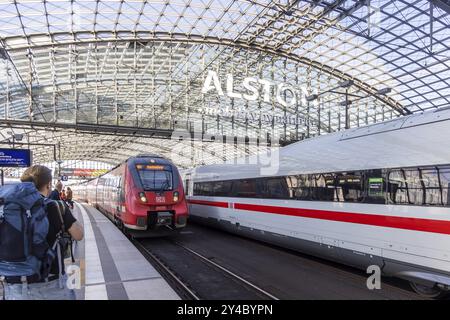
[(405, 238)]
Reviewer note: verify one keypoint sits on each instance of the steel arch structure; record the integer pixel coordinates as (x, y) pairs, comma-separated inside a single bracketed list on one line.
[(133, 70)]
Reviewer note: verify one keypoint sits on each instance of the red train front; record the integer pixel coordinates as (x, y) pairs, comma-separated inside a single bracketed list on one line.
[(143, 195)]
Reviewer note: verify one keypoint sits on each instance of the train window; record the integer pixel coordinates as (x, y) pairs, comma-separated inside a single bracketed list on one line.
[(415, 186), (398, 187), (207, 188), (245, 188), (301, 186), (444, 176), (406, 187), (121, 190), (375, 192), (323, 188), (274, 188), (197, 189), (418, 186), (156, 179), (432, 184), (200, 189), (221, 188), (349, 187)]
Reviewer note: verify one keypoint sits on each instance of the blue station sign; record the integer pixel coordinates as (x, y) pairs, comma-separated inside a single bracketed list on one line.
[(15, 157)]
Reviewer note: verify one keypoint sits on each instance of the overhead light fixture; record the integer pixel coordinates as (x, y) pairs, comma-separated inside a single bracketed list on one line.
[(18, 136), (289, 12), (345, 103), (346, 83), (312, 97), (3, 54), (384, 91)]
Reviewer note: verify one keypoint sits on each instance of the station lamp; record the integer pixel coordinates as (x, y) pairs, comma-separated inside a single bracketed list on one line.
[(18, 136), (346, 83), (345, 103), (3, 54), (312, 97), (289, 12), (384, 91)]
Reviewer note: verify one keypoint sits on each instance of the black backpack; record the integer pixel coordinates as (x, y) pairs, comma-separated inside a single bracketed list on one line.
[(63, 238)]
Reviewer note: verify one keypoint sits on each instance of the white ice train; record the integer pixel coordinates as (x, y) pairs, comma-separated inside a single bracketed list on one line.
[(375, 195)]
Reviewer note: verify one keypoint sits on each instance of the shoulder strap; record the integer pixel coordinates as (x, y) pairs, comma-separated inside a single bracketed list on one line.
[(2, 208), (61, 211)]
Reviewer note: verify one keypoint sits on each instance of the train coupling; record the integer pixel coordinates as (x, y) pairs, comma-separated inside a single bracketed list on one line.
[(160, 218), (164, 219)]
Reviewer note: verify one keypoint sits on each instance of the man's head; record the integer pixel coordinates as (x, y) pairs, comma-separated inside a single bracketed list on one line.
[(59, 186), (41, 176)]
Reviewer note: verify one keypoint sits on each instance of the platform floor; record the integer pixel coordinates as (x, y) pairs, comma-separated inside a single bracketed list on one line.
[(111, 267)]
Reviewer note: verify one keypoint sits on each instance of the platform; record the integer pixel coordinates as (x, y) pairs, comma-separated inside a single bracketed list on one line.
[(111, 267)]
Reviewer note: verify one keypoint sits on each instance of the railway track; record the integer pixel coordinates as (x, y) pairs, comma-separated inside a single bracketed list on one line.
[(217, 265), (196, 277), (180, 287)]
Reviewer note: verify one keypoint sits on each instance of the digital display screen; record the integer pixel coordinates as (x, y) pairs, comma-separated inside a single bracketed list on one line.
[(15, 157), (375, 187)]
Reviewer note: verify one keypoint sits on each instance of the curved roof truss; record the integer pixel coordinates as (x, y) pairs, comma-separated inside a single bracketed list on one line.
[(135, 69)]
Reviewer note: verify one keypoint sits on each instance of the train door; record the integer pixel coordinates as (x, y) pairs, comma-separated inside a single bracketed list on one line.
[(117, 196), (188, 189), (188, 185)]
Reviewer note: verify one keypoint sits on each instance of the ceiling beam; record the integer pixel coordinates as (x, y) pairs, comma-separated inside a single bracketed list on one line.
[(126, 36)]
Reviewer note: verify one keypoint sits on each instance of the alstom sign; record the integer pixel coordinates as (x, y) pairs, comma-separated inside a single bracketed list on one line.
[(255, 89)]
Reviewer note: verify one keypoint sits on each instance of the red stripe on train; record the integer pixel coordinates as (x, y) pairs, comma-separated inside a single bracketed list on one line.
[(414, 224), (210, 203)]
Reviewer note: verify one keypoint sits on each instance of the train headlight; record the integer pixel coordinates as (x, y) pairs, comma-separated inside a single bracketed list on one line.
[(142, 197), (176, 196)]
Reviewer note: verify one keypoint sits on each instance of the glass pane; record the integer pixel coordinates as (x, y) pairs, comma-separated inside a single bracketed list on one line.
[(350, 186), (301, 187), (397, 187), (414, 185), (444, 173), (246, 188), (156, 180), (323, 188), (430, 179), (222, 188), (277, 188)]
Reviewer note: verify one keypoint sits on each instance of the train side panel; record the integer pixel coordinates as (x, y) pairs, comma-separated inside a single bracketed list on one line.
[(402, 251)]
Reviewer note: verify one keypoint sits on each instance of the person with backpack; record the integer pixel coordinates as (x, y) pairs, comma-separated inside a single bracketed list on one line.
[(33, 239), (55, 194)]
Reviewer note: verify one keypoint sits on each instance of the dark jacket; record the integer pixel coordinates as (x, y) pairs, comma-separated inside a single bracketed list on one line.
[(54, 195)]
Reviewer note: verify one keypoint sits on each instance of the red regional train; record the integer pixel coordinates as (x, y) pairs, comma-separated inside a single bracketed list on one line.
[(144, 196)]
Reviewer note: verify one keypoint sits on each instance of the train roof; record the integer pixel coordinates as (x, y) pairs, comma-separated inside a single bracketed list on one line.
[(148, 155), (416, 140), (146, 158)]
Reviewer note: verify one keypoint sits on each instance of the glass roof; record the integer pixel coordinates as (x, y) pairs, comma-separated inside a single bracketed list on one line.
[(120, 64)]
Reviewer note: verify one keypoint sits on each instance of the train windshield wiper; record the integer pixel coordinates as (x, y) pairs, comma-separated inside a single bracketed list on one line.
[(164, 186)]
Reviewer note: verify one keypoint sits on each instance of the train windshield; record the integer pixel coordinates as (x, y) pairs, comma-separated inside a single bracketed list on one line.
[(155, 177)]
